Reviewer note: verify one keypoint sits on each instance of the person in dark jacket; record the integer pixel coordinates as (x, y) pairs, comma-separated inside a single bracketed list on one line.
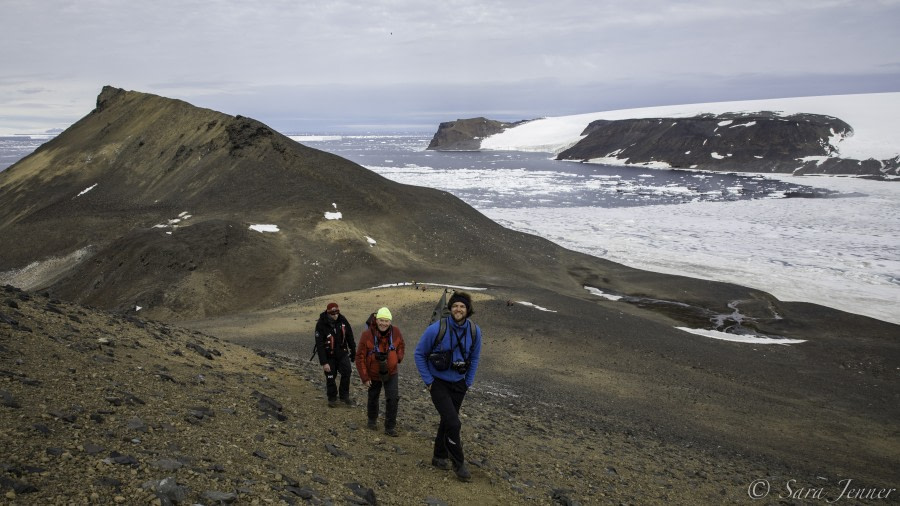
[(460, 347), (335, 344), (380, 350)]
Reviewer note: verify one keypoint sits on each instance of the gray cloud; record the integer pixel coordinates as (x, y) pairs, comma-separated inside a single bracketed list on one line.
[(308, 65)]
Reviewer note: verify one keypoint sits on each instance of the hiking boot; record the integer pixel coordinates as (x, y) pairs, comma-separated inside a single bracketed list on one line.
[(332, 403), (440, 463), (348, 401), (391, 432), (372, 425), (462, 473)]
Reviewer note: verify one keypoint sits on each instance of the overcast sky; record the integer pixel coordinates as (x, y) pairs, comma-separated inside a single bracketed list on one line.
[(321, 66)]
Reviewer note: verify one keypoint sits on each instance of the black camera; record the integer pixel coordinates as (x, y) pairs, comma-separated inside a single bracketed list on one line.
[(382, 364), (460, 367)]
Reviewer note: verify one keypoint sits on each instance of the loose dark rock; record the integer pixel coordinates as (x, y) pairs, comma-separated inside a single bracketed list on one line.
[(8, 400), (220, 497), (337, 452)]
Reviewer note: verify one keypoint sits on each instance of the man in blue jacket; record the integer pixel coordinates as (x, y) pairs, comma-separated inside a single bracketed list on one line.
[(447, 358)]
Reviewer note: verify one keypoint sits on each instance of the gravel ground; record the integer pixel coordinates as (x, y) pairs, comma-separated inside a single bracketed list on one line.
[(102, 408)]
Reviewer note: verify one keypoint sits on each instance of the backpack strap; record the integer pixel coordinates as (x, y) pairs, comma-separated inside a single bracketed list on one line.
[(442, 329), (375, 342)]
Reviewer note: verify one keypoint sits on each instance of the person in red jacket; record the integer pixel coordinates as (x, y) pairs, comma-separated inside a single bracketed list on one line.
[(379, 351)]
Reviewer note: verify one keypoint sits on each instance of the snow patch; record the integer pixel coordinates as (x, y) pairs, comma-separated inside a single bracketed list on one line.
[(89, 188), (535, 306), (420, 283), (715, 334), (315, 138), (600, 293)]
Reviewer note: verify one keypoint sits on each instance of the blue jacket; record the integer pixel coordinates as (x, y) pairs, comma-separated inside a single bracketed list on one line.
[(454, 334)]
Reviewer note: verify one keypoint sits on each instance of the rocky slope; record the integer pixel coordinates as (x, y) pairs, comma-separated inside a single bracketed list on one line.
[(149, 201), (103, 408), (99, 408)]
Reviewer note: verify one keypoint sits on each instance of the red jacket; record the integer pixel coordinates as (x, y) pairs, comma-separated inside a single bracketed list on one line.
[(367, 364)]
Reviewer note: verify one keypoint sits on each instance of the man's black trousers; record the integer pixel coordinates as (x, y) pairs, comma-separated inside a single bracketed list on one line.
[(339, 365), (391, 400), (447, 398)]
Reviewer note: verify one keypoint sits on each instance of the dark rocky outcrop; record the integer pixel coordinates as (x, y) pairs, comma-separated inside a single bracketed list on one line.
[(466, 134), (757, 142), (732, 142)]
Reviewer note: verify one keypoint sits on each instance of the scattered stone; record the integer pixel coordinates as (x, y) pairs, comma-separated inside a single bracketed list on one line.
[(105, 481), (66, 417), (53, 309), (220, 497), (364, 493), (8, 400), (7, 320), (124, 460), (269, 406), (167, 490), (302, 492), (561, 496), (166, 377), (167, 464), (337, 452), (16, 486), (137, 424), (201, 412), (207, 354), (92, 449)]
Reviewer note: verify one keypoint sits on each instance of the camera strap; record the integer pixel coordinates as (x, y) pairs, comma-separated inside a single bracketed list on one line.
[(442, 329), (460, 337), (375, 334)]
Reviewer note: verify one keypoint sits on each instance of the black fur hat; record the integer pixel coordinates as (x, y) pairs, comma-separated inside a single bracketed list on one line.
[(465, 299)]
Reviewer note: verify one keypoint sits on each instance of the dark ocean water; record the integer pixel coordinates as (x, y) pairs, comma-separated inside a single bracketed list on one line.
[(524, 179), (14, 148), (512, 179)]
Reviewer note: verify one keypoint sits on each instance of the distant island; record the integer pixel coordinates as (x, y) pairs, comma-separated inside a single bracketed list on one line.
[(466, 134), (763, 141)]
